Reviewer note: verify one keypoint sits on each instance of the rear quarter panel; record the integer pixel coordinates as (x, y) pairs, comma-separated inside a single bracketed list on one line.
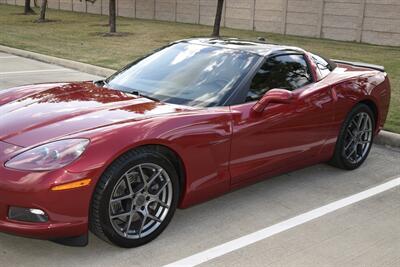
[(352, 85), (356, 85)]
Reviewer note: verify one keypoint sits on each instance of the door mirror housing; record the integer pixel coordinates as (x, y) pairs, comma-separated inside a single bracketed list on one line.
[(277, 96)]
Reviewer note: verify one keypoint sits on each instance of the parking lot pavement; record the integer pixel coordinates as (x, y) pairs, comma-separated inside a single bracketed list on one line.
[(366, 233), (16, 71)]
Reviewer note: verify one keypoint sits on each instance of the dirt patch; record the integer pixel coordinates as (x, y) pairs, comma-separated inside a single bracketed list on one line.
[(46, 21), (106, 25), (109, 34)]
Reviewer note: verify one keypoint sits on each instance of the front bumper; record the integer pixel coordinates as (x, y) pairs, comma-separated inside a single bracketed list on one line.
[(67, 210)]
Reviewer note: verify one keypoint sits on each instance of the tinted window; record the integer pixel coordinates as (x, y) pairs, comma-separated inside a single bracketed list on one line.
[(322, 66), (286, 72), (187, 74)]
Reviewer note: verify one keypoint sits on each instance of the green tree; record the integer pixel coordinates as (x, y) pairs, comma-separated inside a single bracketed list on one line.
[(43, 8), (112, 16), (218, 17), (27, 8)]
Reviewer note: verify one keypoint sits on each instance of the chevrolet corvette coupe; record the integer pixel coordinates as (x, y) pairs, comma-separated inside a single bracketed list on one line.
[(187, 123)]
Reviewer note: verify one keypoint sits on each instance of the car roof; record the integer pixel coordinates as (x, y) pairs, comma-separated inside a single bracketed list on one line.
[(261, 48)]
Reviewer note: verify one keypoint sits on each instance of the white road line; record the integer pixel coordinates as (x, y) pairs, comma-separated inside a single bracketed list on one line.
[(31, 71), (4, 57), (249, 239)]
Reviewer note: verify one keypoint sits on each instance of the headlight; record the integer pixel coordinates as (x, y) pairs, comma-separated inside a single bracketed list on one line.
[(50, 156)]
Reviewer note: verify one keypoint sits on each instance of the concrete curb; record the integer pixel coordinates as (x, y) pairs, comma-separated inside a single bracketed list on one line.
[(83, 67), (384, 137), (388, 139)]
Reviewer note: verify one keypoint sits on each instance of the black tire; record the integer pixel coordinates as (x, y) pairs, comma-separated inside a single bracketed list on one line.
[(100, 218), (339, 158)]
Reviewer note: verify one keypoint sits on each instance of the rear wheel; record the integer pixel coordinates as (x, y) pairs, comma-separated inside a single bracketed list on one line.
[(355, 138), (135, 199)]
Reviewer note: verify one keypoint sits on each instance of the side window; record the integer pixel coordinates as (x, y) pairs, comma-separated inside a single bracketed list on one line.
[(322, 65), (285, 72)]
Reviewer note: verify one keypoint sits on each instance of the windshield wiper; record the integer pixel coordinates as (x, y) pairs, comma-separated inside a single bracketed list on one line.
[(138, 93), (100, 83)]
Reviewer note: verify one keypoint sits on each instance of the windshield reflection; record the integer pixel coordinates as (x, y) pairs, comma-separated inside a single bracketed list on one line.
[(186, 74)]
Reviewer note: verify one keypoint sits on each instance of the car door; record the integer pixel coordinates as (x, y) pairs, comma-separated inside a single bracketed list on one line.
[(283, 135)]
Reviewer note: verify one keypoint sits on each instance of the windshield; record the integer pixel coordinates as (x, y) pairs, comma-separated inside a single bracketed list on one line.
[(186, 74)]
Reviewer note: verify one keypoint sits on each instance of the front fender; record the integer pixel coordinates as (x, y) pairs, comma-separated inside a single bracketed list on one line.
[(201, 139)]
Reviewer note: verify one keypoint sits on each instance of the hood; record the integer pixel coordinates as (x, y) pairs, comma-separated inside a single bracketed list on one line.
[(63, 109)]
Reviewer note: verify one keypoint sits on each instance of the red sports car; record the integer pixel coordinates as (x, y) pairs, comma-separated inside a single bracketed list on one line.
[(189, 122)]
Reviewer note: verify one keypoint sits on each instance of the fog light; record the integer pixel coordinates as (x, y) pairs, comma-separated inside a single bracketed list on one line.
[(27, 215)]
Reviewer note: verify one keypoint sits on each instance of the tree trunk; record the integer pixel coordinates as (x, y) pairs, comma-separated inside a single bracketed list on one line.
[(28, 9), (43, 8), (218, 17), (112, 16)]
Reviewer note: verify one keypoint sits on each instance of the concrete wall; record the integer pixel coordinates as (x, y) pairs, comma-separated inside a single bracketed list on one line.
[(370, 21)]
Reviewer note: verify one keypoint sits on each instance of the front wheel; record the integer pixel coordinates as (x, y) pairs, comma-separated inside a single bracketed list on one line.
[(135, 199), (355, 138)]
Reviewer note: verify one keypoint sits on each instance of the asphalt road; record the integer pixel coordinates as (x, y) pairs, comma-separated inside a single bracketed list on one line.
[(366, 233)]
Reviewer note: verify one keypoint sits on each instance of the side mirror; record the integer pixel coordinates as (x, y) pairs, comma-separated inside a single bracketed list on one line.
[(278, 96)]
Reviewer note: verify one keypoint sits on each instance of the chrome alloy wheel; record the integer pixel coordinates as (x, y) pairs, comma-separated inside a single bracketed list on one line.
[(358, 138), (140, 201)]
